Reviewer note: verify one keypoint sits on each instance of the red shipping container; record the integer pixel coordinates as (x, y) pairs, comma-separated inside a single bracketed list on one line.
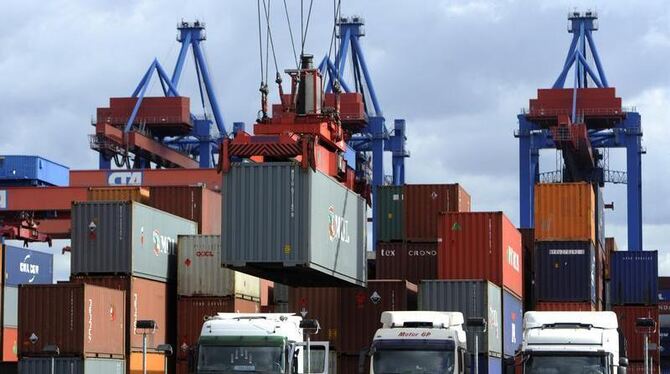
[(182, 367), (553, 306), (82, 320), (664, 307), (627, 316), (528, 245), (267, 288), (192, 312), (482, 245), (9, 346), (423, 204), (164, 115), (362, 309), (145, 300), (210, 178), (350, 364), (321, 304), (637, 367), (411, 261), (195, 203)]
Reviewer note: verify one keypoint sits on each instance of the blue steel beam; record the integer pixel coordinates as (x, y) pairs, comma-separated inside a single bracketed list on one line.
[(218, 117)]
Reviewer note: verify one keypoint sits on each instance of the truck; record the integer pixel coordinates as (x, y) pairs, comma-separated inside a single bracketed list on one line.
[(259, 343), (572, 342), (419, 342)]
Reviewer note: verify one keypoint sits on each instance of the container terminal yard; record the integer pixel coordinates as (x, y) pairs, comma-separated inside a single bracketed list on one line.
[(297, 244)]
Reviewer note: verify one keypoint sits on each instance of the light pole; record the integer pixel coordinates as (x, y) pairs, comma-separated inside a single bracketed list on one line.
[(53, 351), (476, 323), (167, 351), (646, 326), (148, 327)]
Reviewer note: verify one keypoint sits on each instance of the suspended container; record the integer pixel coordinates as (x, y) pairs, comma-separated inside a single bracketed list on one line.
[(634, 278), (565, 271), (565, 212), (292, 225)]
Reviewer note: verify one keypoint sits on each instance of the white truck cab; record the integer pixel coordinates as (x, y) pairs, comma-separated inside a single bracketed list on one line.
[(419, 342), (572, 342), (258, 343)]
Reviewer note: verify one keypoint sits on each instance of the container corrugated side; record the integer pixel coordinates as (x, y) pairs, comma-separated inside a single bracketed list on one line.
[(600, 216), (411, 261), (293, 226), (192, 312), (362, 309), (199, 270), (26, 266), (634, 277), (565, 271), (126, 238), (528, 245), (139, 194), (424, 203), (391, 212), (565, 212), (72, 365), (512, 318), (473, 298), (10, 306), (481, 245), (195, 203), (9, 346), (322, 304), (627, 316), (280, 293), (558, 306), (33, 169)]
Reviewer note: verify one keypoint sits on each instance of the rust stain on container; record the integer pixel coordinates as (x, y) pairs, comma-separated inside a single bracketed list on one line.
[(410, 261), (192, 312), (565, 212), (83, 320), (145, 299), (564, 307), (424, 202), (627, 316), (195, 203), (482, 245), (139, 194)]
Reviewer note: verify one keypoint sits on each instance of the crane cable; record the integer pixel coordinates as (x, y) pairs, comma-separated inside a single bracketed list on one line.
[(305, 28), (290, 31), (269, 43), (337, 5)]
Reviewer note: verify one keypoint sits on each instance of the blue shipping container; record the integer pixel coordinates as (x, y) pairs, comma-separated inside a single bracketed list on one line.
[(25, 266), (32, 171), (663, 295), (487, 364), (634, 278), (665, 342), (565, 271), (512, 308)]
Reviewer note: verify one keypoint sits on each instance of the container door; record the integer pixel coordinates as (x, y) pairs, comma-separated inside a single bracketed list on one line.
[(318, 357)]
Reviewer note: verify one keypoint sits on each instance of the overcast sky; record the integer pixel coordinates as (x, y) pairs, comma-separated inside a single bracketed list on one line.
[(458, 71)]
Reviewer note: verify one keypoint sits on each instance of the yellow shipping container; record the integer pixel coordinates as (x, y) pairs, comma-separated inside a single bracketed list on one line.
[(139, 194), (565, 211), (155, 363)]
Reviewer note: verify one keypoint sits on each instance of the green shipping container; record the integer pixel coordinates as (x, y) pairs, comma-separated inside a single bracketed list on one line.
[(391, 212)]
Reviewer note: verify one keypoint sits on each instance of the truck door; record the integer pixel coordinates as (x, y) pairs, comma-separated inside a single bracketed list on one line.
[(318, 357)]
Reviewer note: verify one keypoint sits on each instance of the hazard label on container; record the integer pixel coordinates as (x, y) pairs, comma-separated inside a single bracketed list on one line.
[(3, 199)]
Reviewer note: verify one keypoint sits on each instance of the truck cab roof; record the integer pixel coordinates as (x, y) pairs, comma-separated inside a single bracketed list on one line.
[(421, 326), (601, 320), (284, 325)]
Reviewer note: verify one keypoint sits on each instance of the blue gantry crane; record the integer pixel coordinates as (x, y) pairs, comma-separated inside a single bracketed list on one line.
[(581, 121)]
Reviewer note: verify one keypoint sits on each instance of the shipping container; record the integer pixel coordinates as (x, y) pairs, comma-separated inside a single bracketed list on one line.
[(512, 323), (664, 336), (195, 203), (82, 320), (488, 364), (322, 304), (424, 203), (664, 307), (362, 309), (348, 363), (564, 306), (280, 293), (72, 365), (565, 271), (411, 261), (125, 238), (291, 225), (210, 178), (32, 171), (193, 311), (9, 346), (610, 245), (25, 266), (199, 270), (482, 245), (10, 306), (161, 115), (391, 213), (139, 194), (9, 367), (600, 217), (145, 300), (627, 316), (528, 245), (565, 212), (155, 363), (41, 199), (637, 367), (634, 277), (473, 298)]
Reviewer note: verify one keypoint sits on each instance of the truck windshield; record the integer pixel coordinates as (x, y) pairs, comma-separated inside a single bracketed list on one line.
[(566, 364), (221, 359), (391, 361)]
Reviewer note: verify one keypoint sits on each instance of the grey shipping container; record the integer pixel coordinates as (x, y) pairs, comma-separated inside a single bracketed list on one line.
[(10, 306), (473, 298), (126, 238), (71, 365), (293, 226), (199, 270), (280, 293), (391, 212)]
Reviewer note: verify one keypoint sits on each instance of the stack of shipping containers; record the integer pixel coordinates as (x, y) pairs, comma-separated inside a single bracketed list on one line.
[(664, 321), (19, 266)]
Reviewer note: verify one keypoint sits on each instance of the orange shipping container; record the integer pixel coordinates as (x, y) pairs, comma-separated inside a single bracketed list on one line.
[(155, 363), (9, 348), (481, 245), (565, 212), (423, 204), (139, 194)]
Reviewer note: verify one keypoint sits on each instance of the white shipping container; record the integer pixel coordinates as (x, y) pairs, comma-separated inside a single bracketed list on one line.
[(199, 270)]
